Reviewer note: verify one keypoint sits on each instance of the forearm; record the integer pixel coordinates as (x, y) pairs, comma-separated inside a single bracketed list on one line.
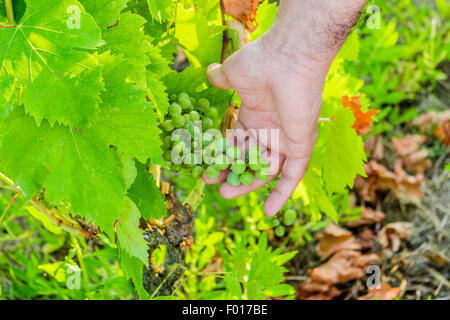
[(314, 29)]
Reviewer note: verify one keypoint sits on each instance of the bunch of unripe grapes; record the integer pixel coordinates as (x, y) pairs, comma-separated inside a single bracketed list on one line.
[(197, 117), (281, 221), (243, 168)]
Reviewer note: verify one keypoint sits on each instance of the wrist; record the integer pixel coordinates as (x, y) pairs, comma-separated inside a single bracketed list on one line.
[(311, 31)]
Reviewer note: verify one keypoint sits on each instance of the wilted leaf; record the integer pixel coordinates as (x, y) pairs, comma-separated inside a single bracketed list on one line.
[(243, 10), (334, 239), (443, 132), (426, 121), (313, 290), (408, 144), (385, 292), (363, 120), (392, 234), (368, 216)]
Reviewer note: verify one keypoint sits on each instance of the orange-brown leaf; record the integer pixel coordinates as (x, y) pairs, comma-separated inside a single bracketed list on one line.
[(363, 120), (243, 10)]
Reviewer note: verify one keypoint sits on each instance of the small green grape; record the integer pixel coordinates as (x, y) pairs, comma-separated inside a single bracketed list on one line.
[(221, 162), (185, 104), (168, 125), (207, 139), (167, 140), (261, 176), (184, 95), (203, 104), (280, 231), (178, 120), (276, 222), (212, 113), (197, 171), (173, 97), (207, 123), (222, 145), (255, 166), (247, 178), (212, 173), (233, 179), (194, 116), (234, 152), (187, 117), (252, 155), (238, 166), (175, 108), (289, 217)]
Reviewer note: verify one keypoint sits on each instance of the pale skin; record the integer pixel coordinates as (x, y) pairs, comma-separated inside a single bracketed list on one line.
[(280, 79)]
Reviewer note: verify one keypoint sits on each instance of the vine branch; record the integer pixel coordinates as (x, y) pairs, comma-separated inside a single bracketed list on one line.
[(10, 12), (226, 39)]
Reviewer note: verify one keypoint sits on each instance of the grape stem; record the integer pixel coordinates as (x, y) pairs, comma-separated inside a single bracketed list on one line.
[(226, 38), (196, 196), (10, 12)]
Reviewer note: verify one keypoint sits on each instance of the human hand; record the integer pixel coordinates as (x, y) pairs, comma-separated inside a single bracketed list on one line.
[(281, 88)]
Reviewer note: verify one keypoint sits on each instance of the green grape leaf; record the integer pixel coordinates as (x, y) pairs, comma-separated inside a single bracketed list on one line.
[(350, 49), (201, 39), (133, 269), (128, 233), (146, 195), (2, 11), (105, 12), (129, 171), (343, 154), (72, 165), (127, 120), (160, 10), (267, 13), (134, 49), (58, 81)]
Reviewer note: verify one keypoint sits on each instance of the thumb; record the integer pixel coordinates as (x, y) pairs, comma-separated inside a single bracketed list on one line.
[(217, 76)]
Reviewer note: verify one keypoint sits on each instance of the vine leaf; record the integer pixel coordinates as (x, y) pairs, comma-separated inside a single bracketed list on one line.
[(127, 120), (343, 154), (128, 233), (59, 82), (72, 165), (146, 195), (105, 12), (243, 10)]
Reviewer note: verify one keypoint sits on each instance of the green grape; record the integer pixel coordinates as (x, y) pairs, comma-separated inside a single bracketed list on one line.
[(208, 123), (212, 173), (247, 178), (221, 162), (187, 117), (197, 131), (207, 139), (289, 217), (184, 95), (193, 101), (197, 171), (175, 108), (178, 120), (252, 155), (194, 116), (280, 231), (275, 222), (167, 140), (255, 166), (233, 179), (238, 167), (173, 97), (234, 153), (203, 104), (189, 125), (168, 125), (212, 113), (185, 103), (167, 154), (195, 144), (262, 176), (222, 145)]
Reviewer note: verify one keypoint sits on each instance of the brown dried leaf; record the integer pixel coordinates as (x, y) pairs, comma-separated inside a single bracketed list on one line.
[(374, 146), (243, 10), (344, 266), (392, 234), (426, 121), (385, 292), (334, 239), (368, 216), (443, 132), (313, 290), (408, 144), (363, 120)]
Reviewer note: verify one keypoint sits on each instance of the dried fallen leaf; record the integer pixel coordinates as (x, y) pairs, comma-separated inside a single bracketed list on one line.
[(407, 145), (426, 121), (363, 120), (313, 290), (385, 292), (379, 178), (344, 266), (392, 234), (368, 216), (374, 146), (443, 132), (334, 239), (243, 10)]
